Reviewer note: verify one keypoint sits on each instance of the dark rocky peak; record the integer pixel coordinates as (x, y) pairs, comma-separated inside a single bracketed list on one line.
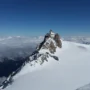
[(51, 41)]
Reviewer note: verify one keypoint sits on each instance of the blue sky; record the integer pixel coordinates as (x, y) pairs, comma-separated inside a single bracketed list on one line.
[(37, 17)]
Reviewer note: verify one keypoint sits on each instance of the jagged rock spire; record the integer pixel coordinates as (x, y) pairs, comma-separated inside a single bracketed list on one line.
[(57, 40), (56, 37), (51, 41), (52, 34)]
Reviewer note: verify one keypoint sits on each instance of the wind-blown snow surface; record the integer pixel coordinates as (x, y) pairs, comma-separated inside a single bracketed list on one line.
[(71, 72), (85, 87)]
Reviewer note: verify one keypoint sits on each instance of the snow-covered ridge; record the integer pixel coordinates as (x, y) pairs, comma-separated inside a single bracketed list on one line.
[(46, 49), (85, 87), (65, 69), (71, 72), (11, 47)]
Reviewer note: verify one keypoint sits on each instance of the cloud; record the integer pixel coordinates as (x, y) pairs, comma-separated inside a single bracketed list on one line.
[(12, 47)]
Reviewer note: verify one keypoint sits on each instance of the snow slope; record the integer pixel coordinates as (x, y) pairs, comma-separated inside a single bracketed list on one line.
[(85, 87), (69, 73)]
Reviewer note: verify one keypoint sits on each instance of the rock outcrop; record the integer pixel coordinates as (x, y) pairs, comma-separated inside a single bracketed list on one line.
[(47, 48), (57, 40), (52, 47), (51, 41)]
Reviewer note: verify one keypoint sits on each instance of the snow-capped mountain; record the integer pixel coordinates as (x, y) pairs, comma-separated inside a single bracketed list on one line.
[(13, 51), (45, 50), (69, 73), (53, 66)]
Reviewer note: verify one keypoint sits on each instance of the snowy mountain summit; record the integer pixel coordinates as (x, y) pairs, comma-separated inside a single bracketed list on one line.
[(45, 50), (54, 65)]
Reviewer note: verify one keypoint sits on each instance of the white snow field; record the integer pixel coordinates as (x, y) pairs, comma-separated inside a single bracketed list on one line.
[(85, 87), (69, 73)]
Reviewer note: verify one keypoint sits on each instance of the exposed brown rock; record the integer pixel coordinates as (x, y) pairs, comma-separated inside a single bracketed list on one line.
[(57, 40), (52, 47)]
